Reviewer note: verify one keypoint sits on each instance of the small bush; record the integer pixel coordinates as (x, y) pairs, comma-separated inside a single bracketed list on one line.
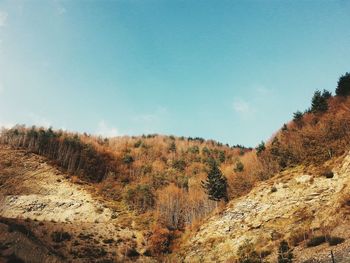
[(328, 174), (60, 236), (239, 167), (128, 159), (160, 241), (193, 149), (179, 165), (298, 236), (333, 241), (247, 253), (284, 253), (273, 189), (108, 241), (137, 144), (316, 241), (128, 249)]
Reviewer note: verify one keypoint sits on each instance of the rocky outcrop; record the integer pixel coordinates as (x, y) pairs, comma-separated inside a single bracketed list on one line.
[(39, 203), (39, 191), (276, 209)]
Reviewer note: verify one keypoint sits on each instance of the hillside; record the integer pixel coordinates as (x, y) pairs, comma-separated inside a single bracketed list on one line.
[(126, 212), (299, 201), (296, 205), (155, 198), (43, 211)]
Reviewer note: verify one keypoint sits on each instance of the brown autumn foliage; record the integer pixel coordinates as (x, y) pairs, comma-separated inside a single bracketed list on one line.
[(159, 177), (160, 240), (148, 174), (178, 207), (321, 137), (85, 159), (315, 139)]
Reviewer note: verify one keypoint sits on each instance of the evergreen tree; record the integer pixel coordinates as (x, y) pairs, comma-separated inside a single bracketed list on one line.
[(261, 147), (319, 101), (343, 88), (216, 184), (298, 118), (326, 94), (284, 127), (284, 253)]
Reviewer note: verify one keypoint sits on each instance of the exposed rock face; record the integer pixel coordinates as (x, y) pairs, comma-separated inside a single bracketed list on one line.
[(37, 200), (41, 192), (298, 201)]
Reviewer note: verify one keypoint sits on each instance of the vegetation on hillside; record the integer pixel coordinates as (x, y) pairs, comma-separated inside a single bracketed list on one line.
[(89, 161), (312, 138), (156, 178), (170, 182), (215, 184)]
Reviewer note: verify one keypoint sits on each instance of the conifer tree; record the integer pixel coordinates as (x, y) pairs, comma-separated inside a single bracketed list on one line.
[(261, 147), (326, 94), (343, 88), (284, 127), (298, 118), (319, 101), (216, 183)]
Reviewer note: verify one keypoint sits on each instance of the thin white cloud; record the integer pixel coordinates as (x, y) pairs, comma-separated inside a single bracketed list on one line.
[(3, 18), (151, 117), (2, 88), (105, 130), (253, 106), (262, 90), (242, 107)]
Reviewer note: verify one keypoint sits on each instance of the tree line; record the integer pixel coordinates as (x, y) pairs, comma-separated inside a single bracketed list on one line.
[(67, 150)]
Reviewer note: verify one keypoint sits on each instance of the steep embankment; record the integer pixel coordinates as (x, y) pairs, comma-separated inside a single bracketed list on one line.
[(41, 210), (296, 205)]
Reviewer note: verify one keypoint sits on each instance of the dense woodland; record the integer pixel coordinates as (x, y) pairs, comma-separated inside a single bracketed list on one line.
[(166, 179)]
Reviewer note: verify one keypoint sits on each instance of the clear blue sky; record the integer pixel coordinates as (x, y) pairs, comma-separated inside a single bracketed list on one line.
[(232, 71)]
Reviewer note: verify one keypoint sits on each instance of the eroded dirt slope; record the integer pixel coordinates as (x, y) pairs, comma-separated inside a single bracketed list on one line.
[(41, 210)]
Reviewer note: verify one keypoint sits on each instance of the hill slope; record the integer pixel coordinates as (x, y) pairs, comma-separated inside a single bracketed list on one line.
[(48, 188), (77, 197), (42, 210), (295, 205)]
